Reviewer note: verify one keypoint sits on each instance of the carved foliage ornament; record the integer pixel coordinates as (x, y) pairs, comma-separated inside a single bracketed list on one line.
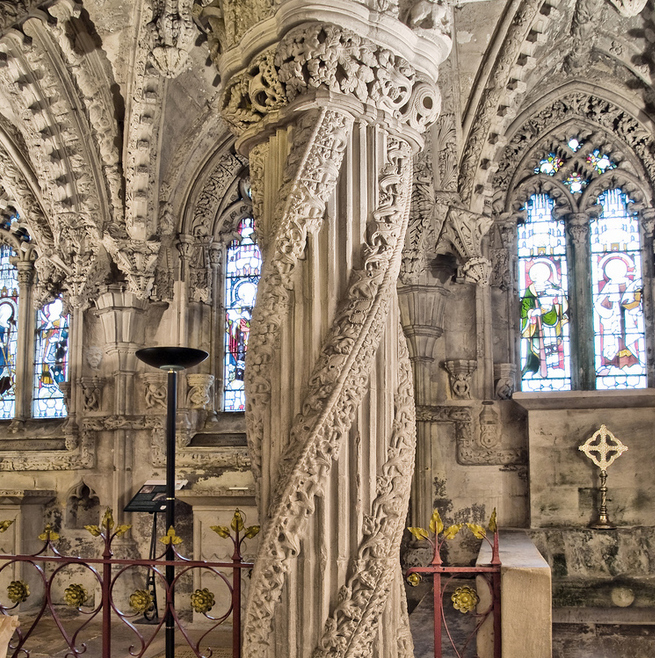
[(173, 33), (332, 58), (336, 388), (311, 172)]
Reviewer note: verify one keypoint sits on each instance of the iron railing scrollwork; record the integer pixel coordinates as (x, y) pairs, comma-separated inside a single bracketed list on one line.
[(46, 571)]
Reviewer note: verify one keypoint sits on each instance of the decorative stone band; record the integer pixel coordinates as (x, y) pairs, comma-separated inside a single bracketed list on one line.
[(321, 56), (336, 388)]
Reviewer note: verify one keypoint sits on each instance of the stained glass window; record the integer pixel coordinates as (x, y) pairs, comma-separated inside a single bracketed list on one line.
[(575, 144), (543, 287), (601, 163), (8, 332), (243, 268), (50, 361), (617, 295), (575, 182), (549, 165)]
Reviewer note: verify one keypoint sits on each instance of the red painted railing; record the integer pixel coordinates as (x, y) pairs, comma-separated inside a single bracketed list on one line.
[(44, 568), (465, 599)]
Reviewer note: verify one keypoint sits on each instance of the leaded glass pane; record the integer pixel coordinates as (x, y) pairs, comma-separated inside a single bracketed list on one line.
[(617, 295), (50, 361), (543, 287), (575, 144), (576, 183), (600, 162), (8, 332), (549, 165), (243, 268)]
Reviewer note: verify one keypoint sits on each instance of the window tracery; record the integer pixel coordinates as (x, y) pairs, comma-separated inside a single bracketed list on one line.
[(578, 200)]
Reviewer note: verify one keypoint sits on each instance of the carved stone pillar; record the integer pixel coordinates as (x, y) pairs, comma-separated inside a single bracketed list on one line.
[(122, 315), (25, 347), (582, 344), (330, 103)]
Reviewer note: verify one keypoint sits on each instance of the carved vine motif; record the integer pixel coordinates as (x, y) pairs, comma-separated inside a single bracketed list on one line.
[(310, 175), (336, 388), (352, 626), (341, 61), (328, 57), (421, 230)]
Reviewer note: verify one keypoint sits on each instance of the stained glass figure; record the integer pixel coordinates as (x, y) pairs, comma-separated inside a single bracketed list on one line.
[(243, 268), (617, 294), (8, 332), (575, 144), (50, 361), (601, 163), (575, 182), (549, 165), (543, 287)]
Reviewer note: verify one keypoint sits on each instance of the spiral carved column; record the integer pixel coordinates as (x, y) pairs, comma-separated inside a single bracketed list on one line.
[(330, 115)]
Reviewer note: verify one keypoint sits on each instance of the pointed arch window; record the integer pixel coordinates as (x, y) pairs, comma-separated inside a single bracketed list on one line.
[(33, 359), (580, 280), (543, 289), (8, 331), (50, 361), (242, 271)]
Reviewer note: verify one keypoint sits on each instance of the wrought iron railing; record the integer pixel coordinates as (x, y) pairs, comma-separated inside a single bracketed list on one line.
[(465, 598), (44, 568)]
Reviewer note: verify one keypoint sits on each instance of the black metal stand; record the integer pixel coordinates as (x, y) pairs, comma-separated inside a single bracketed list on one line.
[(171, 359)]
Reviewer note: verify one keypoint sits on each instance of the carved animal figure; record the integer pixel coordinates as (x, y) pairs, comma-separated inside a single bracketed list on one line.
[(429, 15)]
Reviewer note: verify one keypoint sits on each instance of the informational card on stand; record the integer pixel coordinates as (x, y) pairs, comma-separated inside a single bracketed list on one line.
[(151, 497)]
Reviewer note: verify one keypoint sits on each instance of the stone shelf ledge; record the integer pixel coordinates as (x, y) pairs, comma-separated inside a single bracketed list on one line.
[(642, 397)]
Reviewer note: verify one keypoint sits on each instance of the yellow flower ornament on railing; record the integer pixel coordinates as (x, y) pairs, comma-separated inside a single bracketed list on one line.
[(18, 591), (202, 600), (75, 595), (465, 599), (141, 601)]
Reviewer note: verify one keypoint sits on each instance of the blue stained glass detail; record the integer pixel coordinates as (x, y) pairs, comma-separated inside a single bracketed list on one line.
[(242, 272), (617, 293), (50, 361), (576, 183), (601, 163), (543, 289), (549, 165), (8, 332), (575, 144)]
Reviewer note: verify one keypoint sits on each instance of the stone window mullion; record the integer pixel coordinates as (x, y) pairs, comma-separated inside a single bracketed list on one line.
[(582, 337), (25, 351)]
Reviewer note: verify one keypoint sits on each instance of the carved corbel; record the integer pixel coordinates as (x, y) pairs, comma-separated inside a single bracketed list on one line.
[(504, 374), (137, 260), (173, 34), (92, 392), (648, 222), (460, 371), (195, 254), (465, 230), (200, 395), (155, 393)]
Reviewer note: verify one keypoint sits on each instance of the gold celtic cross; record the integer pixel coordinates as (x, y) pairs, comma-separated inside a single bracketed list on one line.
[(603, 448), (608, 448)]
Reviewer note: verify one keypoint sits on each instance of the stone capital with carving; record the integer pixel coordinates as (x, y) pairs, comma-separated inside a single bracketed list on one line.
[(460, 371)]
